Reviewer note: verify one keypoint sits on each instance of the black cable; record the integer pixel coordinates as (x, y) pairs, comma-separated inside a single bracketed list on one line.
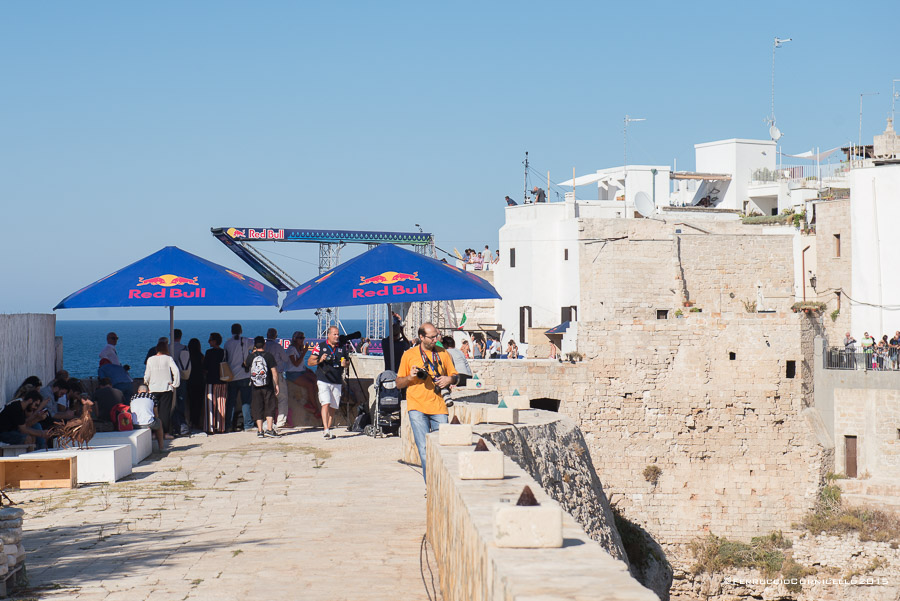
[(422, 567), (430, 571)]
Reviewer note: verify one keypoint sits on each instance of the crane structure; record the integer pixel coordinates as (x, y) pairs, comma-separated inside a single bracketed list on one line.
[(238, 240)]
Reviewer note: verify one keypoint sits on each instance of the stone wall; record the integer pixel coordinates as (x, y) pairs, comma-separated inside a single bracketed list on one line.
[(632, 268), (460, 518), (27, 348), (833, 272)]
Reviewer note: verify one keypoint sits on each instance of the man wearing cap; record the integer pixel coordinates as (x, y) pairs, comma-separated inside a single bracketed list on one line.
[(423, 370)]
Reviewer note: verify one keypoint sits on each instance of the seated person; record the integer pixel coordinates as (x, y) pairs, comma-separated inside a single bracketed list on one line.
[(30, 383), (145, 414), (510, 202), (19, 421), (105, 398), (118, 378), (512, 350)]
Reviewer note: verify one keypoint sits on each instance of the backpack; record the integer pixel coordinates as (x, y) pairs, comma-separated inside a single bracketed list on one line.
[(121, 418), (259, 371), (184, 362)]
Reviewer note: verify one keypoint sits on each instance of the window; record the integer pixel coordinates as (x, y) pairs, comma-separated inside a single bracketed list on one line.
[(837, 295), (837, 246), (512, 257), (774, 211), (662, 314), (732, 356), (566, 254), (569, 313), (790, 369), (524, 323)]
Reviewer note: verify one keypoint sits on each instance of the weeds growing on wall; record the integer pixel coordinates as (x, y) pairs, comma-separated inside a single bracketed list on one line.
[(713, 554), (832, 517)]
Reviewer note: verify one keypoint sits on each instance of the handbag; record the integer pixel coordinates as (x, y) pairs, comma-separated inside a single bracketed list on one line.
[(225, 373)]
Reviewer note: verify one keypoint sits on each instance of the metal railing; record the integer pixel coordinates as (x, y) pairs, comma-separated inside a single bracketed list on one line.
[(800, 173), (837, 357)]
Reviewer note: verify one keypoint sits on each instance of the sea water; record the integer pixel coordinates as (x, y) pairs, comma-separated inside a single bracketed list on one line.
[(83, 340)]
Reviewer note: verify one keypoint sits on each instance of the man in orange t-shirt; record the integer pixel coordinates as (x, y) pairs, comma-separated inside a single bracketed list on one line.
[(424, 370)]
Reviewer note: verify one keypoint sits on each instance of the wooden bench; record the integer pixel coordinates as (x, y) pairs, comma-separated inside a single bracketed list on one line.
[(32, 472)]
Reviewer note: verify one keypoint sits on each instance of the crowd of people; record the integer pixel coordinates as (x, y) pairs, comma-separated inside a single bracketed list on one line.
[(878, 354), (480, 261), (235, 384)]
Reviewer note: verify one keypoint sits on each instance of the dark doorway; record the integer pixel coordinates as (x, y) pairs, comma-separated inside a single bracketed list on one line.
[(790, 369), (850, 456), (524, 322), (545, 404)]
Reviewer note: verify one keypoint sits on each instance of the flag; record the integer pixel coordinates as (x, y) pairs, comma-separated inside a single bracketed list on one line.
[(462, 321)]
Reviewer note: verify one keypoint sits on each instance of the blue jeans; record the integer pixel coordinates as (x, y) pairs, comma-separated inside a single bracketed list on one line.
[(422, 424), (234, 388)]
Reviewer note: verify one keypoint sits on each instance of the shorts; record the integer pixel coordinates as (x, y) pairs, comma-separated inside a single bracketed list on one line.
[(329, 394), (263, 404), (154, 425)]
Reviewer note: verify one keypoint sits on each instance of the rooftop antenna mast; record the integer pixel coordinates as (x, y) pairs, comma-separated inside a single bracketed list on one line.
[(894, 96), (859, 146), (625, 158), (525, 184), (774, 132)]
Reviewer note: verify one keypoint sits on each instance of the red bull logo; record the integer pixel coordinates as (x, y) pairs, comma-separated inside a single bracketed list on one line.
[(389, 277), (168, 283), (390, 280)]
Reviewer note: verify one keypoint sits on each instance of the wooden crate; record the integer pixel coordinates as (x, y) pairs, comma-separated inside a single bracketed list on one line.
[(30, 472)]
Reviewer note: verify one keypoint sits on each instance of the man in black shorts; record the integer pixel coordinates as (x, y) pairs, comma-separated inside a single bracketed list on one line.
[(263, 387)]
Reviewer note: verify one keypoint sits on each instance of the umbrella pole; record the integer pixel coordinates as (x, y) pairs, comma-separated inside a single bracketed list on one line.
[(172, 330), (390, 348)]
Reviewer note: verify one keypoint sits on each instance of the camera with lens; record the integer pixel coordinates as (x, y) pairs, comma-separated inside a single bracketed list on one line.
[(445, 394), (421, 373)]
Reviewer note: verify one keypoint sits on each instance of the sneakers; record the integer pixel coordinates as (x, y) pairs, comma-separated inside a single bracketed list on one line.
[(259, 434), (271, 433), (328, 435)]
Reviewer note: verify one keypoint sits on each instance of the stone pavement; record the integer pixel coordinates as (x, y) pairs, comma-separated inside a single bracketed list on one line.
[(236, 517)]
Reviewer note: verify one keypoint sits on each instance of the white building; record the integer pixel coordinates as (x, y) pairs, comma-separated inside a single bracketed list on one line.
[(875, 223)]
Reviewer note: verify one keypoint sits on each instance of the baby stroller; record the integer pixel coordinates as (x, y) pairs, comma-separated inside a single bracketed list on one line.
[(385, 413)]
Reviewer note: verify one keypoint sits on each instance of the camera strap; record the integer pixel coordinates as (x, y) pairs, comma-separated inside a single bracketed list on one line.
[(433, 365)]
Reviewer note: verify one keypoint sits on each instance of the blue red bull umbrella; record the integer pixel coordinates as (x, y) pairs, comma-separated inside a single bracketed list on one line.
[(171, 277), (388, 274)]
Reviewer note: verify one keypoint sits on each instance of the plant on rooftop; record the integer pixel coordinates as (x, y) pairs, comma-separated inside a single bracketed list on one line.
[(696, 310), (679, 313), (808, 307)]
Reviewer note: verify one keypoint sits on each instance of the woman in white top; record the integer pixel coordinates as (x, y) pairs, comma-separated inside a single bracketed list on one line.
[(162, 377)]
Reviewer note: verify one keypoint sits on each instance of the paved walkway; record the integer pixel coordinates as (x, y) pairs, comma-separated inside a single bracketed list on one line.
[(236, 517)]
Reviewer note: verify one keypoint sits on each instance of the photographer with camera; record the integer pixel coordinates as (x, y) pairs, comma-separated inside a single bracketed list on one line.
[(427, 373), (329, 359)]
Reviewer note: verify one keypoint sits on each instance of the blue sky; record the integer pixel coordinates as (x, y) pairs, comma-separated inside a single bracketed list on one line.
[(126, 127)]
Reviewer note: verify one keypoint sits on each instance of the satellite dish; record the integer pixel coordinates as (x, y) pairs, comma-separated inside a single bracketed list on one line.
[(643, 204), (775, 133)]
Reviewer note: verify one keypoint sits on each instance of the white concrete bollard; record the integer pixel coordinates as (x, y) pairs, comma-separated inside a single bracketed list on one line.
[(537, 527), (503, 415), (455, 435), (481, 465), (521, 402)]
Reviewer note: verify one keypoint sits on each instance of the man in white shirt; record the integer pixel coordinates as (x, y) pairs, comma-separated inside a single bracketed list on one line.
[(109, 351), (274, 348), (236, 350)]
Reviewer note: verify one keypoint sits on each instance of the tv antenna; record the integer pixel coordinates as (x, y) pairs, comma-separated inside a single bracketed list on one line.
[(774, 132), (525, 185)]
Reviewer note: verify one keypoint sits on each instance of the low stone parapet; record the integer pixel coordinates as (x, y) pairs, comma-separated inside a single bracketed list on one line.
[(460, 526)]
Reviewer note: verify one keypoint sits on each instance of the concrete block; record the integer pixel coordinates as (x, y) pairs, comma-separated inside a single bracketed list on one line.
[(455, 435), (140, 441), (528, 527), (517, 402), (505, 415), (481, 465), (99, 464)]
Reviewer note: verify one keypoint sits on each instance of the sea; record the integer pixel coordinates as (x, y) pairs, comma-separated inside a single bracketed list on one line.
[(83, 340)]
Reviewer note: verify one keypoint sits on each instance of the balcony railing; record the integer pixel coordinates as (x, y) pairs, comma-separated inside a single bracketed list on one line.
[(800, 173), (837, 357)]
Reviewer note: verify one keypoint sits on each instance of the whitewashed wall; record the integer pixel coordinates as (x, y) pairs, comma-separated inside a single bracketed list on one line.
[(27, 348)]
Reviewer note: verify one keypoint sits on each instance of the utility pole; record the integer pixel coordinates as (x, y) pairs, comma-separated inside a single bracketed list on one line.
[(625, 158), (894, 95), (525, 184)]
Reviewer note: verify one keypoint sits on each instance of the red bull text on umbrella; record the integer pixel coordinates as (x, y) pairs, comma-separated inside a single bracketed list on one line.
[(390, 279), (168, 283)]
